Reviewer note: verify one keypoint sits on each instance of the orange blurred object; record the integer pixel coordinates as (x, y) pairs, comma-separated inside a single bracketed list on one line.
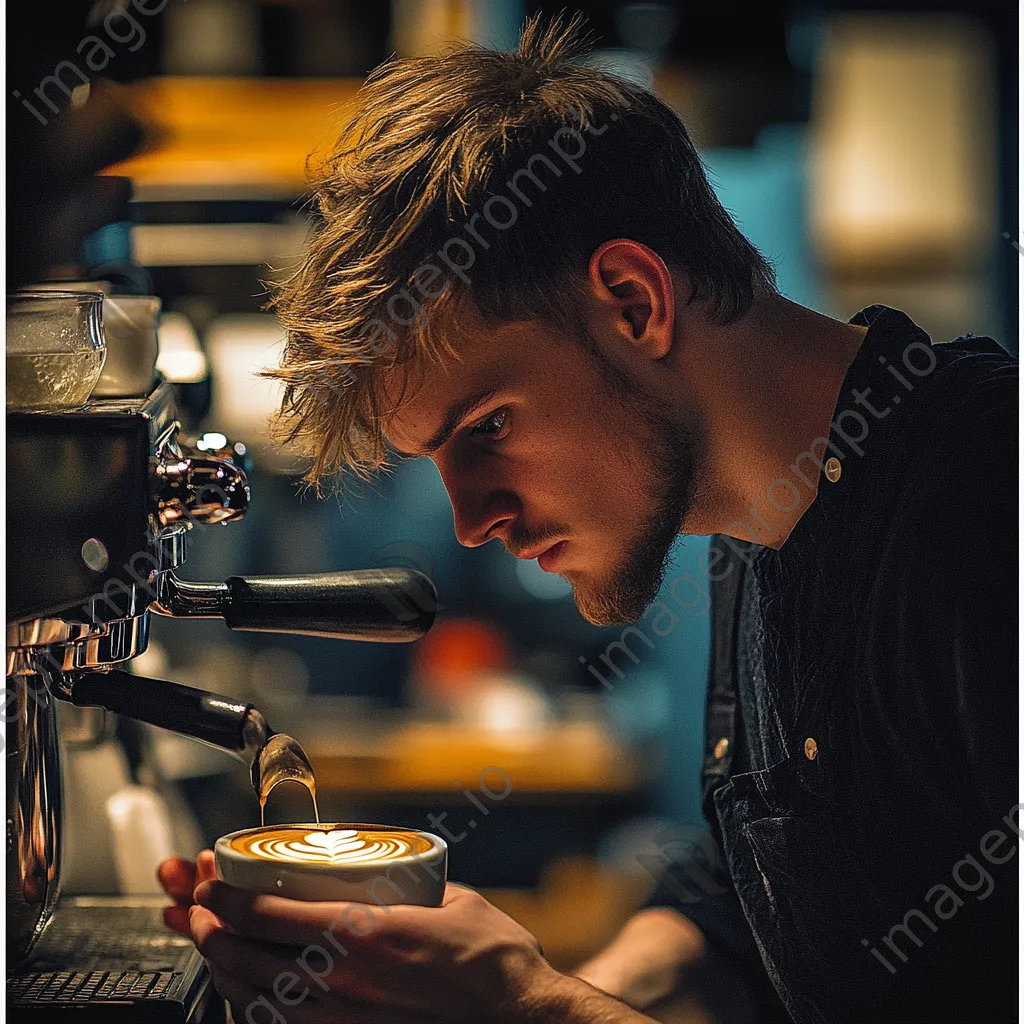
[(457, 651)]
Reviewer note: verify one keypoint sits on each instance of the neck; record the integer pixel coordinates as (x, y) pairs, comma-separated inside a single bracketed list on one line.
[(768, 385)]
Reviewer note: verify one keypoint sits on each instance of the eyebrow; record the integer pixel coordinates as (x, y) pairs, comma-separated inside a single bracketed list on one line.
[(453, 419)]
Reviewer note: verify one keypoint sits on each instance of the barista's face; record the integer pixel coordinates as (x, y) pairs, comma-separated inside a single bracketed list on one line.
[(556, 460)]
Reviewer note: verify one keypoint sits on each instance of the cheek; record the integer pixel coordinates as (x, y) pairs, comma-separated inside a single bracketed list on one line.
[(598, 495), (594, 481)]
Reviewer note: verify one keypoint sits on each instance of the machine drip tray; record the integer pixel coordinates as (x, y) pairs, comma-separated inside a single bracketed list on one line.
[(111, 958)]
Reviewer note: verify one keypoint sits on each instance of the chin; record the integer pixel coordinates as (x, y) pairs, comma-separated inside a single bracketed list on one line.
[(621, 596), (608, 604)]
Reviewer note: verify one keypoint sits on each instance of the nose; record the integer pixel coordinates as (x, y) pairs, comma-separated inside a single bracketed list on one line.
[(481, 513), (476, 523)]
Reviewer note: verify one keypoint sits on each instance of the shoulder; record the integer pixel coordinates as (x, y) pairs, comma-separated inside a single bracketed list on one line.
[(945, 580), (961, 436), (972, 379)]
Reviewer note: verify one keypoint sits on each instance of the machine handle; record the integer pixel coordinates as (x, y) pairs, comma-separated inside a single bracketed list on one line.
[(386, 605), (393, 605), (222, 721)]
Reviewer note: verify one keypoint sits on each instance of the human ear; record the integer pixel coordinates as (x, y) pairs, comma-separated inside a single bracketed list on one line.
[(635, 286)]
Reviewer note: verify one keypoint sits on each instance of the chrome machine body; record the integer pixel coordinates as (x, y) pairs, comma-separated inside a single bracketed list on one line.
[(100, 503)]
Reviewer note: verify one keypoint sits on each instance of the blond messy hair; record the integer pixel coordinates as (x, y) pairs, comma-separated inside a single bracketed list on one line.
[(406, 228)]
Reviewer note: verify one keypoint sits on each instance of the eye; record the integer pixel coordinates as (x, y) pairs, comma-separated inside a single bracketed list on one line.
[(493, 428)]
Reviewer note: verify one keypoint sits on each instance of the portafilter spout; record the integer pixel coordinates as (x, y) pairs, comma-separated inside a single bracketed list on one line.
[(281, 759)]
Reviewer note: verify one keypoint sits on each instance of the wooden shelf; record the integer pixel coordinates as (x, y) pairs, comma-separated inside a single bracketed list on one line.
[(223, 138), (428, 758)]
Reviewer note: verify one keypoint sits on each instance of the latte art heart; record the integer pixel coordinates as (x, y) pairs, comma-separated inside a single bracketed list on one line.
[(332, 846)]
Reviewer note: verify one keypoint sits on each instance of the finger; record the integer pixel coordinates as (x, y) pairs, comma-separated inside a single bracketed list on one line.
[(306, 1005), (288, 922), (455, 891), (206, 868), (176, 918), (178, 877), (332, 1009), (301, 1005), (200, 922), (256, 964), (326, 963), (239, 996)]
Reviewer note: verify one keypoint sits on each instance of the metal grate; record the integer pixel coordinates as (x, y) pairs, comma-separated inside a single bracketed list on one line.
[(113, 955)]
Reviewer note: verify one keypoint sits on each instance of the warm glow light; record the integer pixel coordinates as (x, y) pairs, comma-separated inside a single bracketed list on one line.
[(180, 358), (903, 143)]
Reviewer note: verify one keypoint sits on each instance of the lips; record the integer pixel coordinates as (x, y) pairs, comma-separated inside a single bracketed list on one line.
[(547, 560)]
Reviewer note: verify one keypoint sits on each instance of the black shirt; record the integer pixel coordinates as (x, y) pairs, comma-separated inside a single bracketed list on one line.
[(861, 757)]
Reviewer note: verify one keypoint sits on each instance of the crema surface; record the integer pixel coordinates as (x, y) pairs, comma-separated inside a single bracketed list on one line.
[(307, 845)]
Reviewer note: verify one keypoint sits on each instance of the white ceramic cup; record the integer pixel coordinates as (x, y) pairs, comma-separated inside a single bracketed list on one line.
[(376, 864)]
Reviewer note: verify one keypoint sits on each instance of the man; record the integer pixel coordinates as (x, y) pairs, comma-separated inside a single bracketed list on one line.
[(521, 273)]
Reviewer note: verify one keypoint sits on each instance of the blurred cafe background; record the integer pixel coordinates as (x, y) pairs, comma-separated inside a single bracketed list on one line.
[(869, 149)]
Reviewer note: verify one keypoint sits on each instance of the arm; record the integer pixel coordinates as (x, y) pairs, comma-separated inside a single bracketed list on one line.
[(661, 963), (648, 959), (568, 1000)]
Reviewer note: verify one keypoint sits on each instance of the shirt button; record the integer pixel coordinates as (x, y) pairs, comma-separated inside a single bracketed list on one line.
[(833, 469), (811, 748), (721, 748)]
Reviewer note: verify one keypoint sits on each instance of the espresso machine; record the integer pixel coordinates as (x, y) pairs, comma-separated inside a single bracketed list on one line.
[(101, 500)]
